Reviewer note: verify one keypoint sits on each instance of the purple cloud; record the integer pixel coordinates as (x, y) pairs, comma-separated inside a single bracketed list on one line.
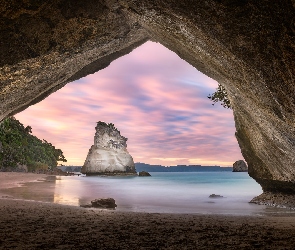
[(155, 99)]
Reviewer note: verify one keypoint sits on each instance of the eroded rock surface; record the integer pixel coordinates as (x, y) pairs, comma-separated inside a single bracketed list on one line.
[(103, 203), (240, 166), (109, 153), (45, 45), (248, 46), (144, 173), (279, 200)]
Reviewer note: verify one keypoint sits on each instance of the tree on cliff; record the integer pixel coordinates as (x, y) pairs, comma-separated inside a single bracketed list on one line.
[(220, 95), (19, 146)]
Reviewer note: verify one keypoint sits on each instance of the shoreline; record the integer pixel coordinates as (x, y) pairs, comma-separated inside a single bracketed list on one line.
[(35, 225), (18, 179), (48, 190), (22, 186), (29, 224)]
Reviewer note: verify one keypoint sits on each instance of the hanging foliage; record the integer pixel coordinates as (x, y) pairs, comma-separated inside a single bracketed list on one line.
[(220, 95)]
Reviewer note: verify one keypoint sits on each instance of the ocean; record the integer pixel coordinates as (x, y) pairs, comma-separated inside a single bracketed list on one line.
[(166, 192)]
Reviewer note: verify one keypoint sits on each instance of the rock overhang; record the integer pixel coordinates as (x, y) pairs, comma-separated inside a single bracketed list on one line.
[(248, 46)]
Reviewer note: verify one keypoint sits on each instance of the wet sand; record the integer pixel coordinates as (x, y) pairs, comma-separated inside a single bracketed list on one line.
[(40, 225), (13, 179)]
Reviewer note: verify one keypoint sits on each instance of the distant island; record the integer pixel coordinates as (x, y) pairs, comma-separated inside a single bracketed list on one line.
[(179, 168), (159, 168)]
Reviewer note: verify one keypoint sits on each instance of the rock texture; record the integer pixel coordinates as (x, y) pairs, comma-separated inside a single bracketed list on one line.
[(279, 200), (46, 45), (104, 203), (240, 166), (248, 46), (109, 153), (144, 173)]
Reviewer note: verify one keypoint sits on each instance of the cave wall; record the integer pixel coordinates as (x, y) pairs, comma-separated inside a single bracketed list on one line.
[(248, 46), (46, 44)]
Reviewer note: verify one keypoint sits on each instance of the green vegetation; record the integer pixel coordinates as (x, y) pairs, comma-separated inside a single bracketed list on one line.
[(19, 147), (220, 95)]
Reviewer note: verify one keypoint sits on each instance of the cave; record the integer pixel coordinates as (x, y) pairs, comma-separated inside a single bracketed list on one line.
[(247, 46)]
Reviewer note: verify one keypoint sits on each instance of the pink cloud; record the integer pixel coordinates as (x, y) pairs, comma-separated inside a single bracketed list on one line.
[(156, 99)]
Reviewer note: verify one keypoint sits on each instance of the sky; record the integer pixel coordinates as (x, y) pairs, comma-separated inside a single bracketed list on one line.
[(157, 100)]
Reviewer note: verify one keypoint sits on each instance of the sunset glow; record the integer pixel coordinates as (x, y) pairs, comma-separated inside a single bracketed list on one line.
[(157, 100)]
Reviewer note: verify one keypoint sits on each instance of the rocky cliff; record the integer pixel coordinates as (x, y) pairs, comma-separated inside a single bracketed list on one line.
[(247, 46), (109, 153)]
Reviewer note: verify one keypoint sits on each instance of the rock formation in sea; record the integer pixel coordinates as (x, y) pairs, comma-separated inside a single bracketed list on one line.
[(109, 153), (240, 166), (144, 173), (247, 46), (215, 196)]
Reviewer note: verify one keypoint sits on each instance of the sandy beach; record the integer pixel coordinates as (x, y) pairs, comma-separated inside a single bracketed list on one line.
[(14, 179), (42, 225)]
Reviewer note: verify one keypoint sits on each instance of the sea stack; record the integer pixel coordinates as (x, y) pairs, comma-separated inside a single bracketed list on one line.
[(240, 166), (108, 155)]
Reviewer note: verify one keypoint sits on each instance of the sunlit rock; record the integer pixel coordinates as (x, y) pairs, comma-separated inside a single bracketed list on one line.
[(109, 153)]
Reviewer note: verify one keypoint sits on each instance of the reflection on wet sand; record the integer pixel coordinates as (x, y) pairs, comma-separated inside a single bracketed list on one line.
[(69, 190), (42, 190), (61, 196), (53, 189)]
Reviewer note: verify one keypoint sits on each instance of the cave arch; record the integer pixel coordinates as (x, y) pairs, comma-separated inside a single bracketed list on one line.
[(157, 100), (248, 46)]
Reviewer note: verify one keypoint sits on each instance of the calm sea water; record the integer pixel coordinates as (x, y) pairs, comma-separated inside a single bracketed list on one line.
[(166, 192)]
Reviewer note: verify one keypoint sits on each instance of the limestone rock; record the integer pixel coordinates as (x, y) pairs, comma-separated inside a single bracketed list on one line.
[(144, 173), (240, 166), (109, 153)]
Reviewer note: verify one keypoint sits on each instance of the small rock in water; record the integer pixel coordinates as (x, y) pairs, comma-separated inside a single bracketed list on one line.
[(102, 203), (215, 196), (240, 166), (144, 173)]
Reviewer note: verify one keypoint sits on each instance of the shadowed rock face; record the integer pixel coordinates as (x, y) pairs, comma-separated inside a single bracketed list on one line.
[(248, 46), (240, 166)]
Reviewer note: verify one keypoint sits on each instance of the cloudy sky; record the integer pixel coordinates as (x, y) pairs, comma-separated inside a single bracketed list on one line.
[(158, 101)]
